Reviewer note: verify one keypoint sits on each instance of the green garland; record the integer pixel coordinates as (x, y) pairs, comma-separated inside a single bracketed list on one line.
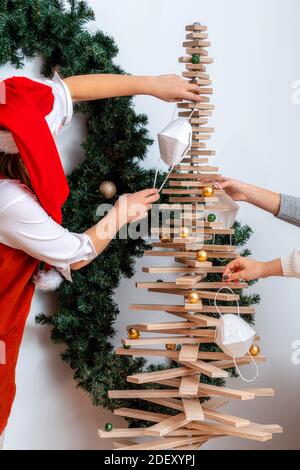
[(116, 143)]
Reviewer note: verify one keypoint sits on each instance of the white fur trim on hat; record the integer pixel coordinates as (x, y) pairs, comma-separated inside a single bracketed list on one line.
[(48, 280), (7, 143)]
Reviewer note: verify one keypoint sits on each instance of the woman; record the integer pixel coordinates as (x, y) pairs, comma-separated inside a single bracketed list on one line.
[(283, 207), (33, 189)]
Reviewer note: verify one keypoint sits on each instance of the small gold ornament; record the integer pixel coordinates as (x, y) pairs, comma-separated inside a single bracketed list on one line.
[(108, 189), (254, 350), (193, 298), (184, 232), (165, 238), (133, 333), (170, 347), (208, 191), (202, 255)]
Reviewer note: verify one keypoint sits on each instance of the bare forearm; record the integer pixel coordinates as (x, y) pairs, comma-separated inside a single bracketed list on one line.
[(263, 198), (99, 86), (272, 268), (101, 235)]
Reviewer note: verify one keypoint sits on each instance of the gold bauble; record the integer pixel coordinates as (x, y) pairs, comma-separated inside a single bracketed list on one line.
[(170, 347), (202, 255), (193, 298), (184, 232), (254, 350), (165, 238), (108, 189), (133, 333), (208, 191)]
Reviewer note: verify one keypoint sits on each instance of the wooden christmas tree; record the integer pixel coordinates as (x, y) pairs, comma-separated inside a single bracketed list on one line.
[(189, 398)]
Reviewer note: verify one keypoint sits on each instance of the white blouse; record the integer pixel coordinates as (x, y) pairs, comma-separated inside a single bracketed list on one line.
[(25, 225)]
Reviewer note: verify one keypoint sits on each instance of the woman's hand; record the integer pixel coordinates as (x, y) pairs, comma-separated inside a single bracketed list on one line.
[(259, 197), (236, 189), (248, 270), (173, 88), (134, 207)]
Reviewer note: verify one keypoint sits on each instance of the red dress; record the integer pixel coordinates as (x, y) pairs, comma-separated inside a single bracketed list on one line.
[(16, 292)]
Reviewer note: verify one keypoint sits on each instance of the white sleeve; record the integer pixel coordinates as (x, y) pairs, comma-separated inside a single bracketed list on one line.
[(291, 264), (25, 225), (62, 110)]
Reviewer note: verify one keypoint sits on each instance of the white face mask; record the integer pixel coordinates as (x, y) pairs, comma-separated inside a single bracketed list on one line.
[(235, 336), (174, 141), (227, 217)]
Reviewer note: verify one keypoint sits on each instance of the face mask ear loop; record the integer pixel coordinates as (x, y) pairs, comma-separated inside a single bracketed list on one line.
[(156, 173), (240, 373)]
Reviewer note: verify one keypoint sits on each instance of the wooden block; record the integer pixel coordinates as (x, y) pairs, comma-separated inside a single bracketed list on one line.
[(199, 105), (182, 309), (122, 443), (162, 340), (203, 130), (189, 280), (168, 443), (189, 353), (121, 433), (168, 425), (196, 27), (140, 414), (208, 153), (261, 392), (245, 432), (214, 391), (196, 36), (200, 113), (198, 285), (161, 326), (196, 43), (192, 409), (213, 403), (197, 50), (207, 369), (148, 377), (189, 385)]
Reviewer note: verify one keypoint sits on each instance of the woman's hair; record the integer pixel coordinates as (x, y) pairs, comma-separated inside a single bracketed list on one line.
[(12, 166)]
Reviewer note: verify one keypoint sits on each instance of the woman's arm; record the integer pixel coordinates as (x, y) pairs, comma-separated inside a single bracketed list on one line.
[(129, 208), (247, 269), (98, 86), (259, 197), (26, 226)]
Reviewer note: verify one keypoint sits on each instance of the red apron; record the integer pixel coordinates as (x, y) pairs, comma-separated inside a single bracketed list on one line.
[(16, 292)]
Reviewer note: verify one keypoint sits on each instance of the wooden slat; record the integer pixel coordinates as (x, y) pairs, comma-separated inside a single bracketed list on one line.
[(182, 308), (168, 425), (189, 385), (188, 353), (192, 409), (162, 340), (147, 377), (158, 444), (246, 432), (207, 369)]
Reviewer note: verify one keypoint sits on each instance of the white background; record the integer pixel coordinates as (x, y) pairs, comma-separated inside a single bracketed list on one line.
[(256, 46)]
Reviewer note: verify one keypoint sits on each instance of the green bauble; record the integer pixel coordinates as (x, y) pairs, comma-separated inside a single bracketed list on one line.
[(159, 280), (126, 346), (108, 427), (196, 59), (211, 218)]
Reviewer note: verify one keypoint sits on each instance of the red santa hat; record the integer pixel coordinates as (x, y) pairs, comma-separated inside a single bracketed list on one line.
[(24, 103)]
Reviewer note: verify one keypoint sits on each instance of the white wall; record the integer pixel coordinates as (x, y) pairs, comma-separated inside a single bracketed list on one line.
[(256, 46)]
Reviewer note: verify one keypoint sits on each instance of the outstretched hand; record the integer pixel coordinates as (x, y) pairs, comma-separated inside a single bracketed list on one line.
[(247, 270), (173, 88)]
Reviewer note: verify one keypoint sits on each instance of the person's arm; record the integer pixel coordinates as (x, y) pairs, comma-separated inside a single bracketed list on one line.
[(26, 226), (129, 208), (98, 86), (259, 197), (247, 270)]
